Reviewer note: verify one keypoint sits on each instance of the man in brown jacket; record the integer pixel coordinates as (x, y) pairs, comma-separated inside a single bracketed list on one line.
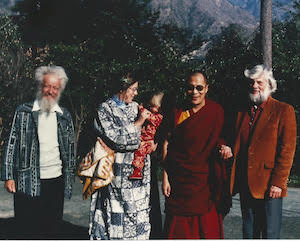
[(264, 149)]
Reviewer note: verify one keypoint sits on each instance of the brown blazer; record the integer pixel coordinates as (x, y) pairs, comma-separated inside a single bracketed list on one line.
[(271, 149)]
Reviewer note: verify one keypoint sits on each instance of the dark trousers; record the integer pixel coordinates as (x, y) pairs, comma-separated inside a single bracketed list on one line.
[(261, 217), (40, 217), (155, 212)]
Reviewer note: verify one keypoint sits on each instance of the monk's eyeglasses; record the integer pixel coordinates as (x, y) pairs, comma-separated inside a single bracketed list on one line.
[(197, 87)]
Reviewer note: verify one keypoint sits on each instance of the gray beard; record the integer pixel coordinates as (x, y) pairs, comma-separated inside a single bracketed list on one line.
[(46, 104), (261, 97)]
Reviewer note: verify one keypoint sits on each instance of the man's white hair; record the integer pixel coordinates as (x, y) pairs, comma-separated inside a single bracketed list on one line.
[(257, 72), (58, 71)]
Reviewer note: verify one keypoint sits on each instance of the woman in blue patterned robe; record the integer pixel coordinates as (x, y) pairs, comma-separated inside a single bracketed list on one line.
[(121, 209)]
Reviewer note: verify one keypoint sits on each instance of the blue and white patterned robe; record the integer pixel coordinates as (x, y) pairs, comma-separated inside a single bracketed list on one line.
[(121, 210)]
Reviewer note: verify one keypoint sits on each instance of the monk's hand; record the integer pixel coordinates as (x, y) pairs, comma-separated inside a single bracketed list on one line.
[(225, 152), (10, 186), (166, 187), (275, 192)]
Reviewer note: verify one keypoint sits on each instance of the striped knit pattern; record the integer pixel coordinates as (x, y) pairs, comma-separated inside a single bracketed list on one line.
[(21, 157)]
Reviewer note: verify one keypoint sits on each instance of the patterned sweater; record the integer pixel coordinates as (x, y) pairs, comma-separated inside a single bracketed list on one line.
[(21, 157), (121, 210)]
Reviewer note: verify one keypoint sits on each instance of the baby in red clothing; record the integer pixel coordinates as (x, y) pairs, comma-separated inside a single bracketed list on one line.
[(147, 135)]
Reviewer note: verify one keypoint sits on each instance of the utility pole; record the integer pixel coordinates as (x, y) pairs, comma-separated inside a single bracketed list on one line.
[(266, 31)]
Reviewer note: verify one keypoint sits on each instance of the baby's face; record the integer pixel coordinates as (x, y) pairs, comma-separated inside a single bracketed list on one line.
[(154, 109)]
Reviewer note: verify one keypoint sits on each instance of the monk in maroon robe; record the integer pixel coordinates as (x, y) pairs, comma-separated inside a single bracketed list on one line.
[(192, 164)]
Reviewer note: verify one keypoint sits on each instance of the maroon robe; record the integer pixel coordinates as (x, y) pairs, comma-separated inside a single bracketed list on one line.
[(192, 151)]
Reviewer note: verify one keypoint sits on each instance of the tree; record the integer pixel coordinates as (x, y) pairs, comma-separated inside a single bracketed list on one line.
[(16, 67), (113, 38), (286, 59), (266, 31), (225, 63)]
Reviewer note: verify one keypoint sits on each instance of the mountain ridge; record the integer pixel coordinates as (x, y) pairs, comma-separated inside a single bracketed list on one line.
[(203, 16), (280, 7)]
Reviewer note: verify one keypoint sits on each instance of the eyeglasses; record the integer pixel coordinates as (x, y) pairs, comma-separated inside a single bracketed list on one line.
[(55, 88), (197, 87), (133, 89)]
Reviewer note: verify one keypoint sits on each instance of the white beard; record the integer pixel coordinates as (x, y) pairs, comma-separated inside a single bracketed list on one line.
[(47, 104), (260, 97)]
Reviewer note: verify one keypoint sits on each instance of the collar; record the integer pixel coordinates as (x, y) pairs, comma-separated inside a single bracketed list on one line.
[(55, 108), (260, 106), (119, 102)]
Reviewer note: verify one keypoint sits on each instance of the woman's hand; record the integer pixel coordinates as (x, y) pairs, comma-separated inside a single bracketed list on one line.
[(144, 115), (166, 187)]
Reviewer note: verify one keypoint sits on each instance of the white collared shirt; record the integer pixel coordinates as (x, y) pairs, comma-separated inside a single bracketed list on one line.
[(50, 162)]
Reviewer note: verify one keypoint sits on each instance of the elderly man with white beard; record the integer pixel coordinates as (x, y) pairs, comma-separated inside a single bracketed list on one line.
[(39, 159), (264, 147)]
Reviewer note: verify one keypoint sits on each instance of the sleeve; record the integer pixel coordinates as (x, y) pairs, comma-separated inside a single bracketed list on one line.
[(8, 161), (216, 135), (287, 134), (214, 139), (166, 128), (221, 141), (122, 137), (72, 145), (71, 155), (228, 131)]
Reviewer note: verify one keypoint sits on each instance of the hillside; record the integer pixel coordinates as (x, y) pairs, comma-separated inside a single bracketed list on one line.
[(203, 16)]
